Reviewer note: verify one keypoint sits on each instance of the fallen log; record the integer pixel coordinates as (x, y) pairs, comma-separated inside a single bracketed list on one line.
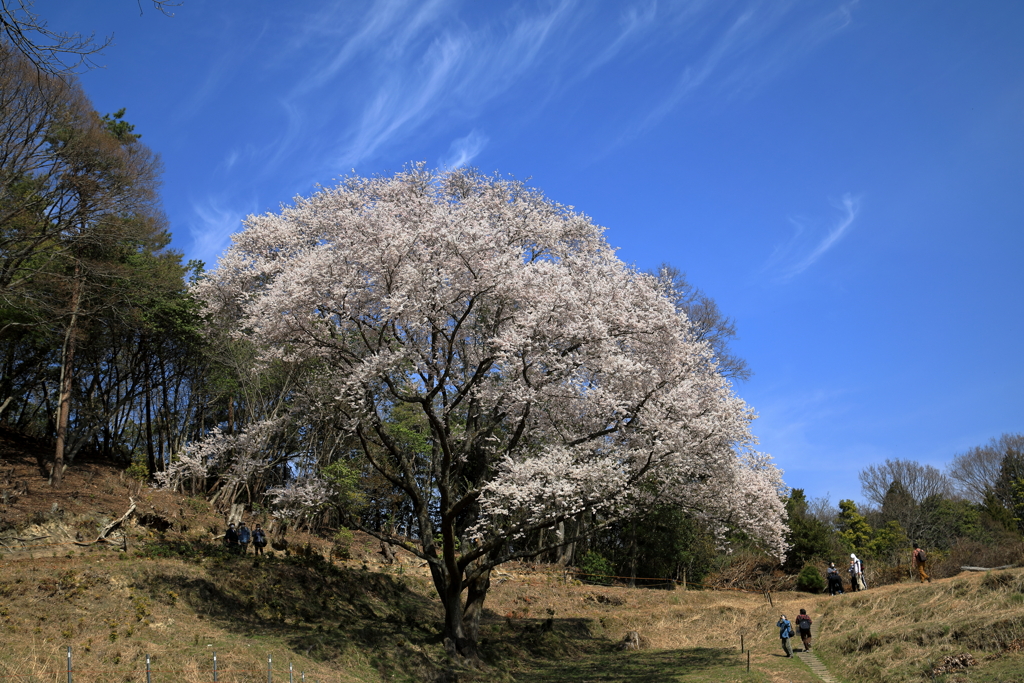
[(102, 538), (986, 569)]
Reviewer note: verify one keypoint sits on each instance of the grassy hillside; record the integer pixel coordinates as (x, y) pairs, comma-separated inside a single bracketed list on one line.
[(904, 632), (178, 597)]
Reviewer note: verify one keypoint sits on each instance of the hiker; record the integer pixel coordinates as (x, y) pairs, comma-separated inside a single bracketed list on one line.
[(803, 623), (231, 538), (259, 540), (918, 559), (835, 582), (244, 536), (785, 633), (856, 574)]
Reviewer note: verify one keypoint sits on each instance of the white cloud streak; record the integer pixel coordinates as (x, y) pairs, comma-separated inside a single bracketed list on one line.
[(215, 222), (463, 150), (807, 245), (749, 53), (366, 82)]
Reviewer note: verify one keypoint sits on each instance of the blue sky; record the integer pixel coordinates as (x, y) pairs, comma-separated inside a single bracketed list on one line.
[(846, 179)]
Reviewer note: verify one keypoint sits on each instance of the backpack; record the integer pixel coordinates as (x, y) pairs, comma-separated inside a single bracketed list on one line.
[(804, 622), (922, 556)]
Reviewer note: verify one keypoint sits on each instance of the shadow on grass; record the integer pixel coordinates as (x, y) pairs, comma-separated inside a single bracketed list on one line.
[(312, 606), (640, 667)]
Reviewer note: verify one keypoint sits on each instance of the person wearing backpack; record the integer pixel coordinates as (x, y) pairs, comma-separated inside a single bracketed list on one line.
[(244, 536), (919, 559), (785, 633), (259, 540), (835, 582), (854, 574), (803, 623)]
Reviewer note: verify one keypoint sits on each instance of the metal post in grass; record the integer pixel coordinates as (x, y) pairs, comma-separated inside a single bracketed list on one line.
[(214, 667), (748, 660), (741, 643), (290, 678), (69, 664), (270, 676), (148, 679)]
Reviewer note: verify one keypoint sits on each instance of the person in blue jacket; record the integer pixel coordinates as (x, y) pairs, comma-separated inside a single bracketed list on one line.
[(244, 536), (785, 633)]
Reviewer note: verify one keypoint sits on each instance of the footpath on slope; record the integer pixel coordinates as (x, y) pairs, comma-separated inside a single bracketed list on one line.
[(811, 660)]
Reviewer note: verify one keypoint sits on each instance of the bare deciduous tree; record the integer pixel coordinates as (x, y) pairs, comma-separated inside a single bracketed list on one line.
[(707, 323), (976, 472), (919, 481)]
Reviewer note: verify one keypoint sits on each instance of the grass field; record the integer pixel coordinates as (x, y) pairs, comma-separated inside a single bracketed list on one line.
[(177, 597), (358, 621)]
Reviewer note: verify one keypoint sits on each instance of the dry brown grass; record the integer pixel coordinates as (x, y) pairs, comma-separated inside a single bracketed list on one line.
[(902, 632), (668, 619), (361, 620)]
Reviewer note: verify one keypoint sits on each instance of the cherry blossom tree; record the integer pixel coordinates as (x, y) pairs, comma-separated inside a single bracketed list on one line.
[(552, 379)]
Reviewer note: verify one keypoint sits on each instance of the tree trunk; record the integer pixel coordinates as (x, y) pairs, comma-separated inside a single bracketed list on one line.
[(632, 555), (150, 455), (479, 582), (66, 376), (457, 641), (565, 550)]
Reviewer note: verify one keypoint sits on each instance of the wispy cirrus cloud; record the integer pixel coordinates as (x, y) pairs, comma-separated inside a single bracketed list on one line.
[(779, 50), (754, 44), (403, 102), (463, 150), (810, 242), (633, 22), (215, 220), (402, 67), (360, 82)]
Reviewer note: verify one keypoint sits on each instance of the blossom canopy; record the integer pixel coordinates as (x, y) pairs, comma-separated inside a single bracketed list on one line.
[(551, 378)]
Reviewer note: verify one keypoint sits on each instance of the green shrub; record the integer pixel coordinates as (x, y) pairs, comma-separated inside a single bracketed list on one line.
[(137, 471), (342, 544), (810, 580), (594, 568)]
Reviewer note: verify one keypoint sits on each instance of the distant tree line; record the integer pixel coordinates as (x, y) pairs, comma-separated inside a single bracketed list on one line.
[(974, 510)]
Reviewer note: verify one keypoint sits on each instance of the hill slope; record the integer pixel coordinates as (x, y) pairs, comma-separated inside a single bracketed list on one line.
[(170, 591)]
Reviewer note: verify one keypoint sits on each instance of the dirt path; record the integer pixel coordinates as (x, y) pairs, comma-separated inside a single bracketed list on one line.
[(811, 660)]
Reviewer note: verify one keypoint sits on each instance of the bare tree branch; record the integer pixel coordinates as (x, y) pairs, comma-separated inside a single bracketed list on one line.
[(59, 53)]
